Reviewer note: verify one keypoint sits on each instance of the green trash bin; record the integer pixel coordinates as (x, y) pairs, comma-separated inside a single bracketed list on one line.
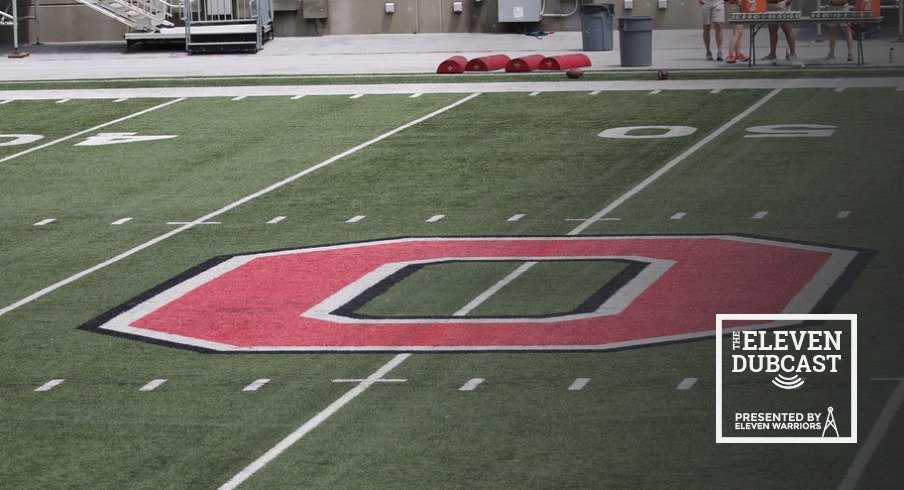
[(635, 38), (596, 27)]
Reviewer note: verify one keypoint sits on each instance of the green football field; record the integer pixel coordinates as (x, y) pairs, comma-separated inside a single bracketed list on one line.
[(88, 231)]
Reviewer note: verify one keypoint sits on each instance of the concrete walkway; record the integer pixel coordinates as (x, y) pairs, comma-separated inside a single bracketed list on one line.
[(389, 53)]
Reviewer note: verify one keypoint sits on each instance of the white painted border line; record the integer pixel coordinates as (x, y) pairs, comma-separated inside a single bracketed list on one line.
[(515, 217), (256, 384), (680, 215), (121, 221), (671, 164), (152, 385), (312, 424), (760, 215), (45, 222), (579, 384), (276, 220), (471, 384), (855, 471), (686, 383), (49, 385), (355, 219), (89, 130), (128, 253), (435, 218)]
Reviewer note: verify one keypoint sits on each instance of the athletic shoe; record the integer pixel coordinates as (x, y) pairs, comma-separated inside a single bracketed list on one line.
[(742, 57), (850, 57), (709, 56), (730, 58), (719, 56), (830, 57), (768, 57), (791, 57)]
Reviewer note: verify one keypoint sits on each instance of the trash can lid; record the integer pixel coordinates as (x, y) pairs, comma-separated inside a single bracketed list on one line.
[(598, 9)]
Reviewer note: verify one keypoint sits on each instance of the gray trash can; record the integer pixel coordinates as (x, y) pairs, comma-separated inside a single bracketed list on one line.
[(596, 26), (635, 40)]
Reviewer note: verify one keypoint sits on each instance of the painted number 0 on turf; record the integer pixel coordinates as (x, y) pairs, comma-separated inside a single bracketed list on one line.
[(769, 131)]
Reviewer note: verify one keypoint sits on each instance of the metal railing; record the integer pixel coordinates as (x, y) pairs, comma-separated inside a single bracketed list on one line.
[(202, 13)]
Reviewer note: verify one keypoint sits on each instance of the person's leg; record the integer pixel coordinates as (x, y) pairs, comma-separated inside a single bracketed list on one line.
[(706, 40), (849, 38), (789, 36), (833, 34), (773, 39), (736, 40), (718, 26)]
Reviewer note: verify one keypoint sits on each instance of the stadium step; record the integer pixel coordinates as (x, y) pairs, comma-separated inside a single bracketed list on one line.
[(142, 15)]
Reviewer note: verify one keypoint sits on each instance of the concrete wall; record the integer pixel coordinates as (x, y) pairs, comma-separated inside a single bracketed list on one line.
[(432, 16), (66, 20)]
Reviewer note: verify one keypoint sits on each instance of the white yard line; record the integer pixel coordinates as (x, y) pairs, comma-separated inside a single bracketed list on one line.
[(355, 219), (121, 221), (579, 384), (152, 385), (843, 214), (7, 101), (686, 384), (678, 216), (359, 380), (471, 384), (515, 217), (256, 384), (89, 130), (575, 86), (128, 253), (760, 215), (482, 297), (276, 220), (855, 471), (671, 164), (49, 385), (45, 222), (435, 218), (312, 424)]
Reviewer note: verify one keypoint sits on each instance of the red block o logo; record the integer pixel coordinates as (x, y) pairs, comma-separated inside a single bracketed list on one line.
[(298, 300)]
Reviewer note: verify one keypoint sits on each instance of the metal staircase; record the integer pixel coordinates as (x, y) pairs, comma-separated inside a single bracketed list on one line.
[(141, 15)]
